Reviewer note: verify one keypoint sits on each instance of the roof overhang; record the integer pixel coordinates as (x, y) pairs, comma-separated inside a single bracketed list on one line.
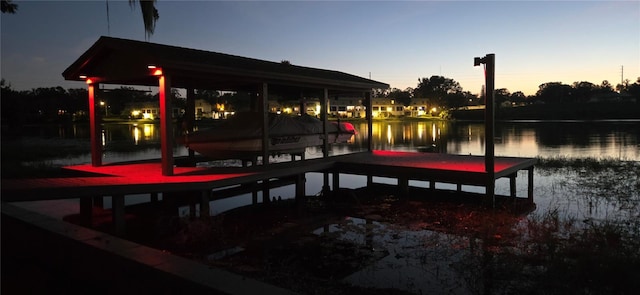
[(120, 61)]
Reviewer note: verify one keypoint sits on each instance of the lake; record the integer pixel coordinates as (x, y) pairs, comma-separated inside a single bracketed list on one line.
[(414, 257), (571, 139)]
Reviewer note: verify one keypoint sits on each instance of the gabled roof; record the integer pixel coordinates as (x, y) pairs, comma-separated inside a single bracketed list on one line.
[(121, 61)]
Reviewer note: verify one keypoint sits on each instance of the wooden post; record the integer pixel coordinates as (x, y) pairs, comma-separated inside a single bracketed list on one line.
[(336, 181), (266, 197), (530, 185), (403, 185), (265, 123), (512, 185), (189, 117), (205, 200), (301, 195), (117, 214), (166, 126), (326, 189), (489, 125), (96, 130), (369, 115), (324, 106)]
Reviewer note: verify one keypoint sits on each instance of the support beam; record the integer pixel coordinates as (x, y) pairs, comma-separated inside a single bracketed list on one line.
[(324, 106), (96, 130), (166, 126), (336, 181), (326, 189), (403, 185), (369, 116), (512, 185), (205, 200), (301, 182), (530, 184), (264, 109), (189, 117), (117, 214)]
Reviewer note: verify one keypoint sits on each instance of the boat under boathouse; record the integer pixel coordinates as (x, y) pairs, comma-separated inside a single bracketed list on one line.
[(135, 63)]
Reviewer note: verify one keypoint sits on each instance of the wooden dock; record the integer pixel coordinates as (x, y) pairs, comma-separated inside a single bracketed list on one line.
[(206, 184)]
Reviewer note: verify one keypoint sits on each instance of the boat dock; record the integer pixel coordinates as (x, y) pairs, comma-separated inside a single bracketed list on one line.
[(201, 185)]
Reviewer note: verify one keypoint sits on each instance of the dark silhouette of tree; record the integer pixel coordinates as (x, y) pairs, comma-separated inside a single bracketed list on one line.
[(7, 6), (436, 89), (583, 91), (501, 95), (553, 92), (403, 97), (518, 97)]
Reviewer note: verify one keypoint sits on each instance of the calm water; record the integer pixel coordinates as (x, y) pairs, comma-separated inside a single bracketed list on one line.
[(572, 139), (422, 261)]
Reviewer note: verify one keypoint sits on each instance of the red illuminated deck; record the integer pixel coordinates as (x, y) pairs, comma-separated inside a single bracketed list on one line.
[(460, 169), (137, 178)]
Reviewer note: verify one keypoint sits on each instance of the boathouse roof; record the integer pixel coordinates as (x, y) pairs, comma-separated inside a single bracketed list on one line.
[(121, 61)]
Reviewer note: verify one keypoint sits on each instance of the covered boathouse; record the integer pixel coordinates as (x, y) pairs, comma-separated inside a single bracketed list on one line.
[(128, 62)]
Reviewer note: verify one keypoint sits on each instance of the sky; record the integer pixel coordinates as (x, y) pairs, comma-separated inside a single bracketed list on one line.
[(395, 42)]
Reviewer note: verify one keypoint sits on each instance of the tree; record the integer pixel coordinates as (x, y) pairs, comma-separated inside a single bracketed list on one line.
[(518, 97), (553, 92), (436, 89), (501, 95), (583, 91), (401, 96), (8, 7)]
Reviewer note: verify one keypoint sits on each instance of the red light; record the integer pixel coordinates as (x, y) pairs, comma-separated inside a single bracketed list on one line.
[(157, 72), (89, 81)]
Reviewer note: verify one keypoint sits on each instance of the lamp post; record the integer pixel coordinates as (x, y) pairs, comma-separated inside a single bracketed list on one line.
[(489, 119)]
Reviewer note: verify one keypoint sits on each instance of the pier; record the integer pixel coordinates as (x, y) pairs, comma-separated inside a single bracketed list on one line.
[(207, 184)]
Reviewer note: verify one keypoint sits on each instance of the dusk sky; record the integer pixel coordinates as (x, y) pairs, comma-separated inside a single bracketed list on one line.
[(394, 42)]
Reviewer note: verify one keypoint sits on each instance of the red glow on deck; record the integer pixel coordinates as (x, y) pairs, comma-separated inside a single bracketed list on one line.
[(437, 161), (148, 173)]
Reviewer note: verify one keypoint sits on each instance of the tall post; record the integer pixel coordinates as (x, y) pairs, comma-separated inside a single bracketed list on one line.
[(264, 108), (324, 106), (489, 122), (189, 116), (94, 122), (489, 115), (166, 130), (369, 115)]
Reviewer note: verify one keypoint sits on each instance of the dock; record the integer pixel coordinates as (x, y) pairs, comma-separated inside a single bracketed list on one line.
[(201, 185)]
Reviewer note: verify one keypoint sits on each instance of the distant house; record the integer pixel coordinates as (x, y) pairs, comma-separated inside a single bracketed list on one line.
[(418, 107), (149, 110), (346, 107), (386, 107)]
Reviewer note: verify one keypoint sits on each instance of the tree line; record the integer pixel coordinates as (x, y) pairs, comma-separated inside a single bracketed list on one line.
[(446, 92), (59, 104)]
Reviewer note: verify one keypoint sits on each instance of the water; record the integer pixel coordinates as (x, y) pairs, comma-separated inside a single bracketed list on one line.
[(413, 259), (618, 139)]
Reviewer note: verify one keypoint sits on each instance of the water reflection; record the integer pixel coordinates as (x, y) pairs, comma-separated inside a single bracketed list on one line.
[(604, 139)]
